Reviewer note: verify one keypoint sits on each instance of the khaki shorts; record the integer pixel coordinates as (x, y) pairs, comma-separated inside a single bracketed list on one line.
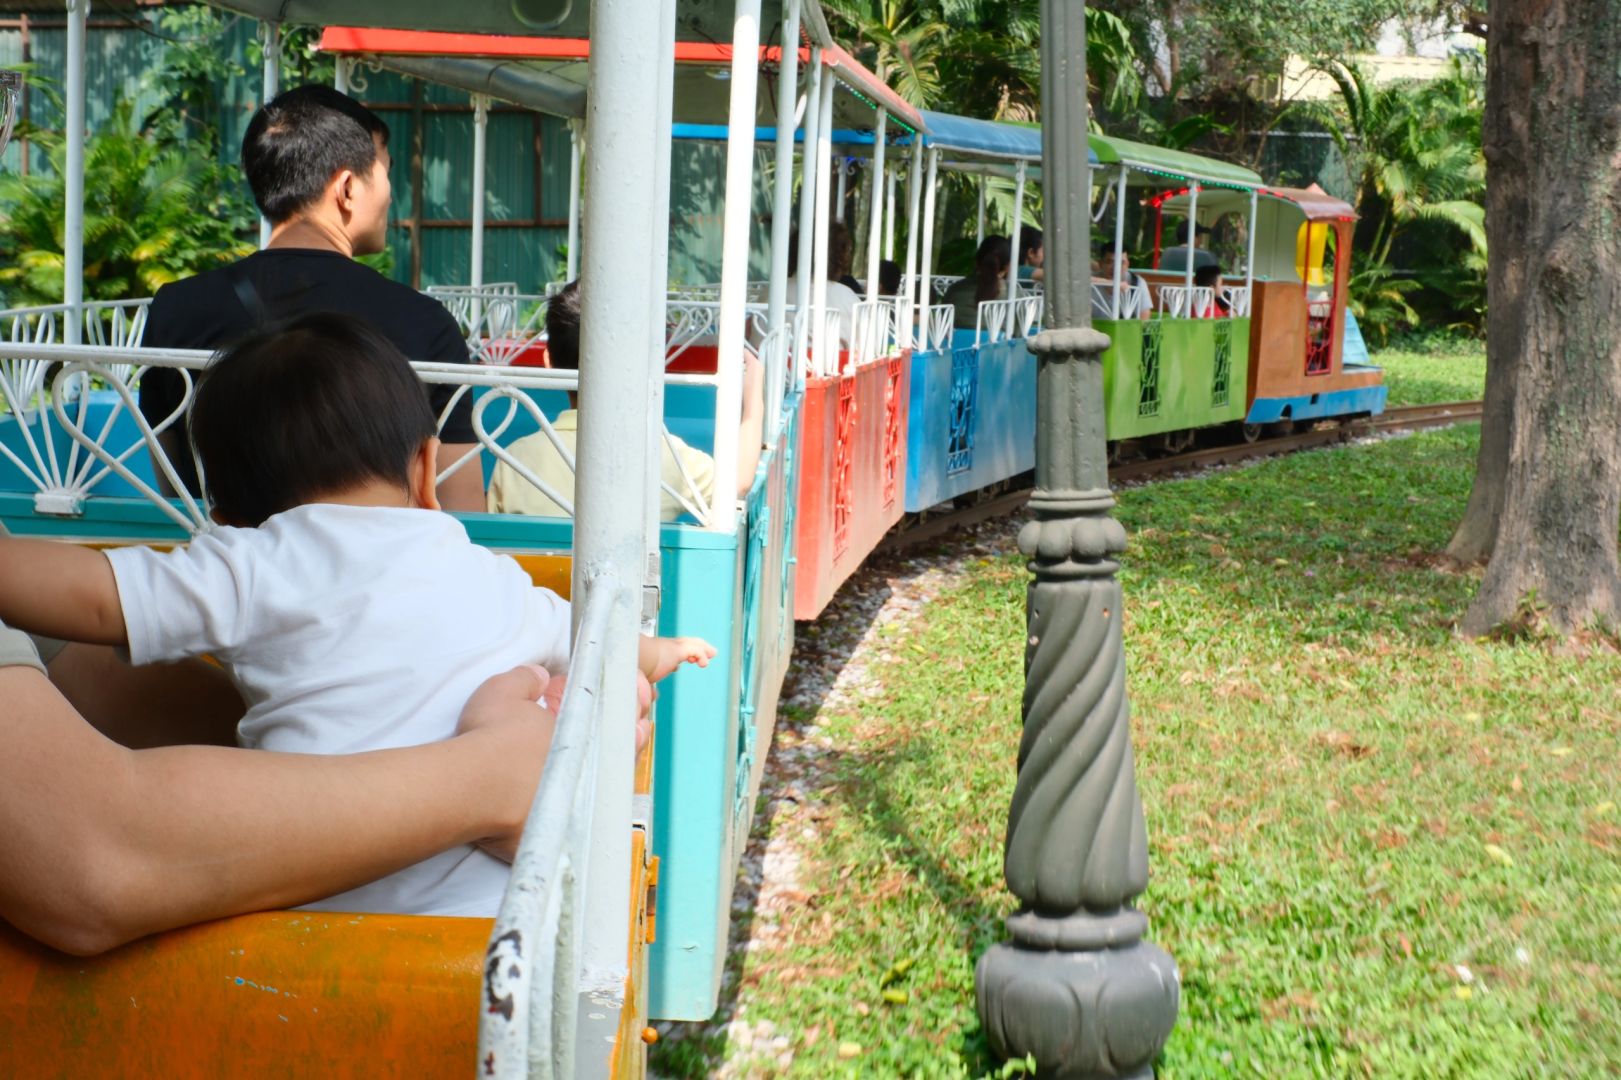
[(17, 650)]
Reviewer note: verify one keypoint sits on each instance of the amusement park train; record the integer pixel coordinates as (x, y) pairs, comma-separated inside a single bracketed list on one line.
[(886, 406)]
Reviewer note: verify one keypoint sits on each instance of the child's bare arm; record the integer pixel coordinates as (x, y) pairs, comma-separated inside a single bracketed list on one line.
[(660, 656), (61, 590)]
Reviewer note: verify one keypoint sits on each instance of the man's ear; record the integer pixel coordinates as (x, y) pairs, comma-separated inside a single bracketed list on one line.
[(343, 190), (424, 477)]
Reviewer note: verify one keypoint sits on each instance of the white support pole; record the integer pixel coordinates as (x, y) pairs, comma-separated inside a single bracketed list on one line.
[(658, 301), (734, 262), (826, 352), (622, 352), (1018, 227), (782, 205), (574, 134), (340, 75), (979, 217), (271, 87), (810, 181), (1249, 258), (481, 130), (1119, 242), (75, 135), (925, 284), (844, 174), (889, 215), (875, 205), (914, 192), (1192, 242)]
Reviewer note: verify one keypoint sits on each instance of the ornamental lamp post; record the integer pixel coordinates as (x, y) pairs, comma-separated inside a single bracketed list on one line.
[(1077, 987)]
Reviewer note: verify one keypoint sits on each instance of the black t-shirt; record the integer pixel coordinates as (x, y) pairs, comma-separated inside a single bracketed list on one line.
[(208, 312)]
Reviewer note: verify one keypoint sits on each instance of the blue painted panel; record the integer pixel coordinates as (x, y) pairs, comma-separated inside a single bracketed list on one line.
[(1366, 399), (1003, 422), (43, 429), (1356, 349)]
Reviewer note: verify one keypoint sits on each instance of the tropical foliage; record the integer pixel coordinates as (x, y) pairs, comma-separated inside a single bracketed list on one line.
[(155, 211)]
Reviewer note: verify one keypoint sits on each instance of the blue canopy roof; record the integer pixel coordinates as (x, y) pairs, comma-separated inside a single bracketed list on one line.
[(986, 138)]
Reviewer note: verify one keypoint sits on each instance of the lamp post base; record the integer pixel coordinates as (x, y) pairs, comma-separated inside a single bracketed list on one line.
[(1090, 1011)]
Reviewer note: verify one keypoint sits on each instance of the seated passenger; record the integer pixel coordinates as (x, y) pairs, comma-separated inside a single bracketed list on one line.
[(989, 282), (317, 161), (1103, 283), (1032, 254), (841, 297), (889, 277), (351, 614), (511, 493), (1175, 259), (1209, 277)]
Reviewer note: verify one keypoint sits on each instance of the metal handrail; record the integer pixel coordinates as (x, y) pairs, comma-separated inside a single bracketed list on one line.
[(532, 973)]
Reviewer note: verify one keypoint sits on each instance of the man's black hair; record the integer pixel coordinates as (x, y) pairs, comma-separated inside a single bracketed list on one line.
[(889, 277), (1188, 227), (1206, 275), (563, 328), (316, 406), (295, 145), (1030, 240)]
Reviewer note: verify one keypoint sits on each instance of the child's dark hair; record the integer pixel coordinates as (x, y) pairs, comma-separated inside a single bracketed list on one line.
[(303, 138), (1030, 242), (990, 262), (315, 406), (1206, 275), (563, 328), (889, 277)]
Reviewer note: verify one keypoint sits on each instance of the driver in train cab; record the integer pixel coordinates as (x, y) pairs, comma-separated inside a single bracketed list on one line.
[(684, 469), (349, 612), (318, 162)]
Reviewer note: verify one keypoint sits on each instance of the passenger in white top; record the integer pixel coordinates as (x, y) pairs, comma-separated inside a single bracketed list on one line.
[(840, 297), (351, 614)]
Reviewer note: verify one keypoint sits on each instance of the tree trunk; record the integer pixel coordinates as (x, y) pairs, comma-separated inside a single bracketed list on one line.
[(1547, 500)]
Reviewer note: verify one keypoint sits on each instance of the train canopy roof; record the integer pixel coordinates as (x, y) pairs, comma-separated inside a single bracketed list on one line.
[(1313, 202), (696, 20), (1159, 167), (983, 138), (550, 73)]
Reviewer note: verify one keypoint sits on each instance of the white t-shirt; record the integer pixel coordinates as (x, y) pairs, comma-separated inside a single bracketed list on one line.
[(350, 628), (840, 298)]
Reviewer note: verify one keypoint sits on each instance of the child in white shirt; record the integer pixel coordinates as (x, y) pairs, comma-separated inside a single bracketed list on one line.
[(351, 614)]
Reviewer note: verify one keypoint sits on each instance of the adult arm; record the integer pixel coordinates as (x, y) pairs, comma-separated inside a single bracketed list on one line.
[(751, 432), (464, 489), (59, 589), (102, 845)]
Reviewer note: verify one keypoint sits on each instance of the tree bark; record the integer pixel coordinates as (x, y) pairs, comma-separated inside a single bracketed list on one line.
[(1547, 499)]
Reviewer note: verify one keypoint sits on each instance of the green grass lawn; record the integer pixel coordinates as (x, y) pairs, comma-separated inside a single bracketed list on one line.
[(1377, 849), (1452, 371)]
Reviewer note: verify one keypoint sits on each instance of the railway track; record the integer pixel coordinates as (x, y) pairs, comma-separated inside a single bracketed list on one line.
[(997, 504)]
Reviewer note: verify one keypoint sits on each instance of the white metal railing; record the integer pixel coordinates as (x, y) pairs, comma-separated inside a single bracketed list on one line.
[(532, 971), (1134, 300), (1001, 320), (1181, 302), (942, 284), (499, 323), (872, 331), (826, 362), (62, 482), (1238, 300)]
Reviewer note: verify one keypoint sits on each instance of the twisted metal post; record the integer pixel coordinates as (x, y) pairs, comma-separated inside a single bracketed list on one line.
[(1077, 987)]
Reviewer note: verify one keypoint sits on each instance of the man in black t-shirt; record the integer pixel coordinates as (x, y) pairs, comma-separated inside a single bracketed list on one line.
[(317, 161)]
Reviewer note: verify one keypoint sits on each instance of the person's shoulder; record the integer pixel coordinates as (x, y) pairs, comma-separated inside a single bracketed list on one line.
[(840, 293)]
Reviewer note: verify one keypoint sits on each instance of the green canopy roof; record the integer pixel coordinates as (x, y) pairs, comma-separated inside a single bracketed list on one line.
[(1174, 165)]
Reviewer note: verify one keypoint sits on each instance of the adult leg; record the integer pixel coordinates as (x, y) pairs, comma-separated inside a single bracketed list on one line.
[(189, 703)]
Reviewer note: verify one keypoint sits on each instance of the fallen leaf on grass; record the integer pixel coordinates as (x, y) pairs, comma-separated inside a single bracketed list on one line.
[(849, 1050), (1561, 751), (1499, 855), (1603, 808)]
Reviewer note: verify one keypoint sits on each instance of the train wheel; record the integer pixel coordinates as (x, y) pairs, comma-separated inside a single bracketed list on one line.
[(1252, 432), (1175, 442)]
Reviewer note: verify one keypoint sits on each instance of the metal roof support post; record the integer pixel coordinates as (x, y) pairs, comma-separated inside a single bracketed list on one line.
[(826, 352), (810, 179), (74, 133), (1119, 243), (1192, 243), (272, 87), (574, 134), (1076, 850), (979, 216), (1249, 258), (925, 291), (481, 130), (875, 205), (658, 300), (889, 216), (1018, 227), (844, 175), (734, 262), (914, 192), (623, 352), (782, 205), (340, 75)]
